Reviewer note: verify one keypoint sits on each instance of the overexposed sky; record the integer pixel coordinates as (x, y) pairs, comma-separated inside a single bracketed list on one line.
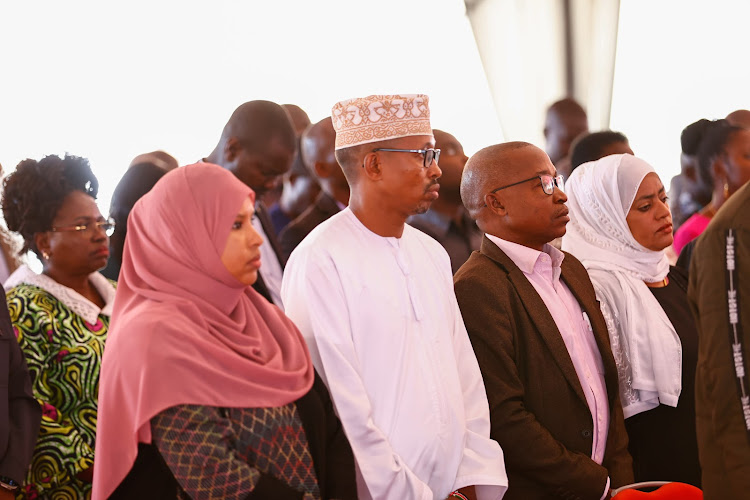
[(110, 81), (677, 61)]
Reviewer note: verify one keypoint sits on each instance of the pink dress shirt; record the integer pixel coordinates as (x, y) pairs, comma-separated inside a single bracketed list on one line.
[(542, 269)]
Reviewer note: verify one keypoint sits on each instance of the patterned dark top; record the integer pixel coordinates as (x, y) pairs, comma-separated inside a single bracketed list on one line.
[(222, 453), (64, 354)]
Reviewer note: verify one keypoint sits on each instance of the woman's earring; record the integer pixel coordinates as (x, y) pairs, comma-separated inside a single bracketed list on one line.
[(45, 255), (726, 190)]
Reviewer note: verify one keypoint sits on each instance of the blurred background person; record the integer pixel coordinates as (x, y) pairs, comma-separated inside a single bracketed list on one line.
[(724, 166), (224, 401), (565, 120), (159, 158), (447, 220), (688, 191), (137, 181), (620, 228), (297, 188), (258, 146), (740, 117), (595, 145), (61, 316), (317, 153)]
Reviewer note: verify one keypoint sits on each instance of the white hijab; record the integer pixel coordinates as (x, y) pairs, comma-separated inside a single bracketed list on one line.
[(600, 195)]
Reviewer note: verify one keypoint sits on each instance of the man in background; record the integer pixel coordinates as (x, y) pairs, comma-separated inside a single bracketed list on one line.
[(317, 153), (565, 120), (447, 220), (258, 146)]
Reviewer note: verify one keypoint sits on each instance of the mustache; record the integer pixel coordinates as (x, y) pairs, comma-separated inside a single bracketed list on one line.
[(434, 182)]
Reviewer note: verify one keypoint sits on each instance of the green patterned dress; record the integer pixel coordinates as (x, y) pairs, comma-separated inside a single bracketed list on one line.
[(62, 337)]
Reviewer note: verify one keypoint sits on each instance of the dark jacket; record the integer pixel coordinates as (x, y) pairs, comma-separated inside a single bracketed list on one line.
[(293, 234), (538, 411), (261, 212), (20, 412), (151, 479), (721, 425)]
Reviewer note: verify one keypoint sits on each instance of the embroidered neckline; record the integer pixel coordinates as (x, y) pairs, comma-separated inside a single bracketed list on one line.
[(72, 299)]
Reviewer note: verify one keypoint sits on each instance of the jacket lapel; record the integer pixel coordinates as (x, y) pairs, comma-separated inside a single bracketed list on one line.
[(590, 305), (538, 313)]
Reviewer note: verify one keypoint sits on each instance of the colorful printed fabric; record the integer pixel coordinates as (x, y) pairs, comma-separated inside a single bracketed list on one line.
[(221, 453), (64, 354)]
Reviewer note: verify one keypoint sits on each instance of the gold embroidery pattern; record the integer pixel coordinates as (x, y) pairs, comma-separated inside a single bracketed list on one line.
[(380, 117)]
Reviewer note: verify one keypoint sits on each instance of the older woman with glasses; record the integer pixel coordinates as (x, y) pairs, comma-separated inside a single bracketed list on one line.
[(620, 226), (60, 316)]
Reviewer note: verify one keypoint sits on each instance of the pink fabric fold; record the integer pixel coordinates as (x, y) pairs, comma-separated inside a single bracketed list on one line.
[(184, 330)]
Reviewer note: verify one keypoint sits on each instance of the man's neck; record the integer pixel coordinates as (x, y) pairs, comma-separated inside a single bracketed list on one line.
[(374, 218)]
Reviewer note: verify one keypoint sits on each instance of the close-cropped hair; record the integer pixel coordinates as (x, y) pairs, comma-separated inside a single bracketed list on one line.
[(714, 142), (591, 146), (692, 136), (34, 192)]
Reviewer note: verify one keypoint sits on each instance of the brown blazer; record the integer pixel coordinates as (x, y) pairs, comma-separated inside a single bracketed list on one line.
[(538, 411)]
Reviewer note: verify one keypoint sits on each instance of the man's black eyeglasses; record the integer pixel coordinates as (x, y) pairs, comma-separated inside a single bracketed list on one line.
[(548, 183), (428, 154)]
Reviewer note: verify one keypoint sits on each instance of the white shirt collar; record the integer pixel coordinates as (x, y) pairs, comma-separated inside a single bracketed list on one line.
[(72, 299)]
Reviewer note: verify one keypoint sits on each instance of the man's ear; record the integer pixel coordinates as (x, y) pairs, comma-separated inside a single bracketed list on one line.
[(232, 148), (495, 203), (371, 165)]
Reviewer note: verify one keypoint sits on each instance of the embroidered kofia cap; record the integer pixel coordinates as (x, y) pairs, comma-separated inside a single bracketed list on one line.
[(380, 117)]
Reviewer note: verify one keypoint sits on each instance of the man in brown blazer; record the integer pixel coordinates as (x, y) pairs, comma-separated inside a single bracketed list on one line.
[(538, 334)]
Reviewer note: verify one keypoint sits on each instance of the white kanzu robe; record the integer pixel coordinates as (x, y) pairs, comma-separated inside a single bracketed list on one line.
[(385, 333)]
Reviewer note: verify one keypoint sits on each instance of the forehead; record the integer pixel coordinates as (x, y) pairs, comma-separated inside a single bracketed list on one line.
[(411, 142), (740, 139), (650, 184), (528, 161), (78, 204)]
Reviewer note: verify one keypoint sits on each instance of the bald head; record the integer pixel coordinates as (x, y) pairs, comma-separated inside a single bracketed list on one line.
[(486, 170), (741, 118), (511, 192), (161, 159), (257, 144), (300, 120), (257, 124), (318, 143), (565, 120)]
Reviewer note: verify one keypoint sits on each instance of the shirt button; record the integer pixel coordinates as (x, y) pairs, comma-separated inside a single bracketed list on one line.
[(586, 433)]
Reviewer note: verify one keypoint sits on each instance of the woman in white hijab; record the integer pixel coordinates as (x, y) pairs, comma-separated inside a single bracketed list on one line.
[(620, 226)]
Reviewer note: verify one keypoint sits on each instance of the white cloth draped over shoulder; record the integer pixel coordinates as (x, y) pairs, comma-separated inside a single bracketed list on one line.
[(646, 346), (385, 333)]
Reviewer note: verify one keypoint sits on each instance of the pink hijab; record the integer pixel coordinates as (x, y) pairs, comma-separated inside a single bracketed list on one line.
[(184, 330)]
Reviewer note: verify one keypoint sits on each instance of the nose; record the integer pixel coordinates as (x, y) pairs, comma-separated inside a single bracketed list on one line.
[(663, 210), (433, 171), (559, 194), (99, 233), (254, 238)]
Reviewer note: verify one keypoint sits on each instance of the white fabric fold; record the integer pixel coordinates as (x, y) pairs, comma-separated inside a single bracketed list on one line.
[(600, 195)]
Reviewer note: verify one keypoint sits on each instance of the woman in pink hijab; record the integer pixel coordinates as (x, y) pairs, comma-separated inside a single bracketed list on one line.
[(207, 390)]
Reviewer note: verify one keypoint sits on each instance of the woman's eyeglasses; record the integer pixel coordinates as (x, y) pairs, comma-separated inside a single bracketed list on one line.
[(429, 155), (108, 226)]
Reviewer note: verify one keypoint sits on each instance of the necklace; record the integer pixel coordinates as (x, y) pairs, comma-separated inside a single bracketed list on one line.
[(658, 284)]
